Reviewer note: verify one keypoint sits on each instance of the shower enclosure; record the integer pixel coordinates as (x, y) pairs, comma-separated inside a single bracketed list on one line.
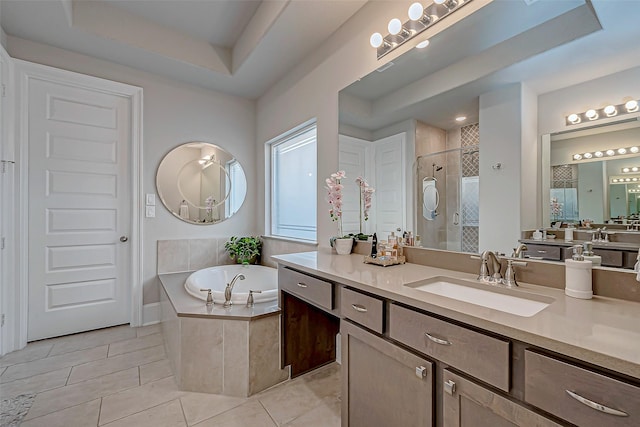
[(448, 184)]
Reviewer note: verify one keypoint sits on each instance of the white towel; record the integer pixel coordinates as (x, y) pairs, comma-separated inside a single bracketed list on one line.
[(636, 267), (184, 210)]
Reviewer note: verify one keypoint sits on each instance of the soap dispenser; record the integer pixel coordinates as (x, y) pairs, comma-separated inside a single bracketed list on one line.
[(588, 254), (537, 235), (578, 282)]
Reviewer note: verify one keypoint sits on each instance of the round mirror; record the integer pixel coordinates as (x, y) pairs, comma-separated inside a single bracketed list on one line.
[(201, 183)]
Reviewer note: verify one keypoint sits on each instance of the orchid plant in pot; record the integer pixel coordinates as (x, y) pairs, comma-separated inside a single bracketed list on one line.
[(366, 193), (341, 243)]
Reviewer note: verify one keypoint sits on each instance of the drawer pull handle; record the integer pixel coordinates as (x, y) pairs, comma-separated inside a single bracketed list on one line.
[(302, 285), (542, 252), (437, 340), (596, 406), (421, 372), (359, 308), (450, 387)]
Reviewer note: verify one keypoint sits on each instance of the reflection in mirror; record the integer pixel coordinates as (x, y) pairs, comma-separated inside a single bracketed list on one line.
[(601, 188), (201, 183)]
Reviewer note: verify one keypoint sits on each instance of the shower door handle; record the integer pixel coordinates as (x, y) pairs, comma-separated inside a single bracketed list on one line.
[(456, 218)]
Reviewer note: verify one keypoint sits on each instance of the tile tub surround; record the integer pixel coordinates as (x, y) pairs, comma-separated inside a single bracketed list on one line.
[(602, 331), (214, 350), (146, 395)]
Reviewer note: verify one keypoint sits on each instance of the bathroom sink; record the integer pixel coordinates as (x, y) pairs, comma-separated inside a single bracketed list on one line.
[(506, 300)]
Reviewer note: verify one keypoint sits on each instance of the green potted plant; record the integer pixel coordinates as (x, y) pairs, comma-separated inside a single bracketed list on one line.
[(245, 250)]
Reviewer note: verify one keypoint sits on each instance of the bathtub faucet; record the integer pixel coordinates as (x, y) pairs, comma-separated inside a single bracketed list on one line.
[(229, 288)]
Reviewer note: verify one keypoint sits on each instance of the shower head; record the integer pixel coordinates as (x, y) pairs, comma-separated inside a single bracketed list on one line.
[(436, 168)]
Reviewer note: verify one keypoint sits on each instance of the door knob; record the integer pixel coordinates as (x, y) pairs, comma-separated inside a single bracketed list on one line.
[(123, 239)]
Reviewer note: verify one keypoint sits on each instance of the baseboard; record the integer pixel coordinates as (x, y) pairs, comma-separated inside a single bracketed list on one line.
[(150, 314)]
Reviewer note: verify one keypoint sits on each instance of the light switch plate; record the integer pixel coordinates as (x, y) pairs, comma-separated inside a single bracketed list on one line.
[(151, 199), (150, 212)]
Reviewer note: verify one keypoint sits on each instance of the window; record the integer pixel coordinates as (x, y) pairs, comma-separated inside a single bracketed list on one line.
[(294, 184)]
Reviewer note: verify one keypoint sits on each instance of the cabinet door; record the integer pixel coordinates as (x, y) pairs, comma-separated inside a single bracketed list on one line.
[(467, 404), (383, 385)]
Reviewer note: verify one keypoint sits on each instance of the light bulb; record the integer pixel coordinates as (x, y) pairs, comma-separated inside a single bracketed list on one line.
[(631, 106), (627, 180), (615, 180), (415, 11), (461, 119), (634, 149), (626, 170), (574, 118), (591, 114), (610, 110), (634, 179), (598, 154), (577, 157), (610, 152), (376, 40), (422, 44), (622, 151), (588, 155), (395, 26), (439, 1), (634, 169)]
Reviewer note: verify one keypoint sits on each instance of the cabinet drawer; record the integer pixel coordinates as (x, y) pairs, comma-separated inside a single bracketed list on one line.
[(610, 258), (362, 309), (306, 287), (545, 251), (629, 259), (578, 395), (485, 357)]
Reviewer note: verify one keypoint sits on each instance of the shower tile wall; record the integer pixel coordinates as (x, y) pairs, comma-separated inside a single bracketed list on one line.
[(469, 139)]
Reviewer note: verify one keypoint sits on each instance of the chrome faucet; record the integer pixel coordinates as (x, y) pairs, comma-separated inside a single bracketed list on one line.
[(495, 267), (519, 251), (229, 288), (510, 275)]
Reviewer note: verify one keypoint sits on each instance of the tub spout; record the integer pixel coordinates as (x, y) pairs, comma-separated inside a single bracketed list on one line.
[(229, 288)]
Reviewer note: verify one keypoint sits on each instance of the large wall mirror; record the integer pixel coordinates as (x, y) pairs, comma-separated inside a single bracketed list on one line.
[(420, 93), (602, 186), (201, 183)]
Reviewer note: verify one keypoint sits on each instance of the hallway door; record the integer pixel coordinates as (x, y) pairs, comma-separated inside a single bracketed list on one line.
[(79, 212)]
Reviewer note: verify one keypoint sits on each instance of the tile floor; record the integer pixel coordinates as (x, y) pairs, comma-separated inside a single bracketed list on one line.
[(120, 376)]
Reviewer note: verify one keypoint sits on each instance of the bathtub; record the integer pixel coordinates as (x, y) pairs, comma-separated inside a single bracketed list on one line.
[(257, 278)]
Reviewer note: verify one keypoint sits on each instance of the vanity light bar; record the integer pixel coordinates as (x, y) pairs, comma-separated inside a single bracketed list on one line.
[(634, 191), (419, 20), (633, 169), (607, 153), (624, 180), (602, 113)]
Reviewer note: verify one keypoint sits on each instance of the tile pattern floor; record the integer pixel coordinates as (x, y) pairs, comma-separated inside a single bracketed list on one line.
[(120, 376)]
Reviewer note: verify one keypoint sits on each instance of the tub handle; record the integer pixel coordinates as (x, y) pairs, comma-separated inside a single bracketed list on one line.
[(302, 285), (250, 302), (209, 297)]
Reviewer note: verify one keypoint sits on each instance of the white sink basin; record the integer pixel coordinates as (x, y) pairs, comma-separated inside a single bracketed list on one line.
[(525, 305)]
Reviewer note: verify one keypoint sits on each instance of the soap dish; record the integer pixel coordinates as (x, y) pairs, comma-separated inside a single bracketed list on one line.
[(384, 261)]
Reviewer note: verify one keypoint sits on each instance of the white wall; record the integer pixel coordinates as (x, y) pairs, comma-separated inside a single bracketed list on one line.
[(311, 90), (500, 142), (591, 199), (173, 113)]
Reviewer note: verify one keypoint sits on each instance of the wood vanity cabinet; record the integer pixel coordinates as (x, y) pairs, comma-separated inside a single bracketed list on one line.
[(580, 396), (309, 324), (383, 384), (467, 404)]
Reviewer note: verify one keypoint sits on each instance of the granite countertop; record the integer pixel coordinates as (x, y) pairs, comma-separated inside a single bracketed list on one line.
[(623, 246), (187, 306), (602, 331)]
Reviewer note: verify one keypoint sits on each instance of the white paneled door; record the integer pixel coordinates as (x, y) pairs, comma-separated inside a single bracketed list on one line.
[(79, 207)]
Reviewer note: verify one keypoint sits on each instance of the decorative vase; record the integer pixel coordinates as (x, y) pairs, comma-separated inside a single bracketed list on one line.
[(343, 245)]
